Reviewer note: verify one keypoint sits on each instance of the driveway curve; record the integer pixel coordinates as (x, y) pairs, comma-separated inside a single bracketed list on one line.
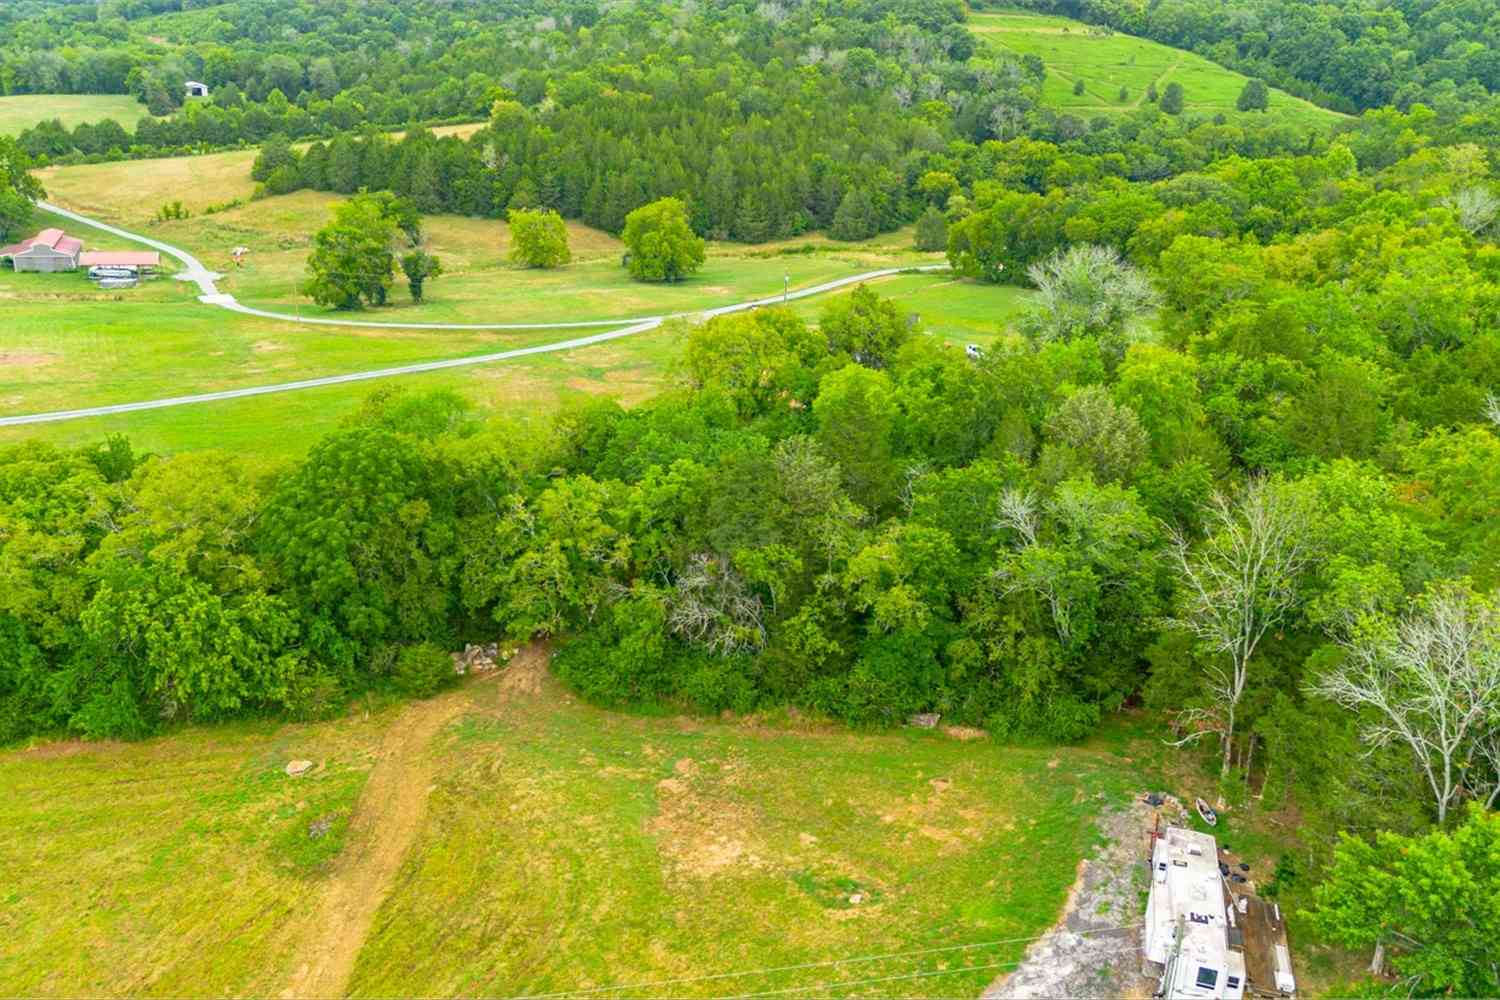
[(209, 294), (206, 281)]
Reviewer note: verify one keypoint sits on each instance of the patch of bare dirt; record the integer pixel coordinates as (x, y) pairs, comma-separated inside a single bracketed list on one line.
[(1094, 948), (386, 822), (965, 734), (26, 359), (701, 836), (526, 671)]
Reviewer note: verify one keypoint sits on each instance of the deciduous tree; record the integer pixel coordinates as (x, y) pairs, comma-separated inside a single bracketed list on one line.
[(539, 238), (352, 261), (1430, 682), (1236, 585), (662, 245)]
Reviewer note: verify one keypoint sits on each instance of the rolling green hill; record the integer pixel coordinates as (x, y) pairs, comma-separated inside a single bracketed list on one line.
[(1107, 61)]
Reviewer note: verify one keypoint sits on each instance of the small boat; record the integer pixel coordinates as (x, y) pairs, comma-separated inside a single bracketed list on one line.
[(1206, 812)]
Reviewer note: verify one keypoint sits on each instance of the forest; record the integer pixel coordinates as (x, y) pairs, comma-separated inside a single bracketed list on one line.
[(1238, 462)]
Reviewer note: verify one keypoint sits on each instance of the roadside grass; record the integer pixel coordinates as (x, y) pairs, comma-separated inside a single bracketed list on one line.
[(22, 111), (960, 310), (72, 347), (1106, 61), (177, 866), (571, 848)]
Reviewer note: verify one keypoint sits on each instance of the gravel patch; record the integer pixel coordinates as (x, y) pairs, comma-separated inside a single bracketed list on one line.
[(1094, 950)]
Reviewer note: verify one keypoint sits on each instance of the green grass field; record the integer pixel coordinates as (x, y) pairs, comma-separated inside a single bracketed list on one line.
[(25, 110), (67, 345), (561, 847), (1106, 61)]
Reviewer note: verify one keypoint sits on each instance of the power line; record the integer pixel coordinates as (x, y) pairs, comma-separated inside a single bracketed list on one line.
[(889, 979), (878, 979), (802, 967)]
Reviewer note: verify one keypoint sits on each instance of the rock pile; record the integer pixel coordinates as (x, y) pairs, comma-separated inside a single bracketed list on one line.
[(481, 659)]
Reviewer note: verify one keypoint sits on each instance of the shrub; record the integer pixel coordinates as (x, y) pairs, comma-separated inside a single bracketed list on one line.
[(421, 670), (1059, 718), (932, 230), (313, 696), (719, 683)]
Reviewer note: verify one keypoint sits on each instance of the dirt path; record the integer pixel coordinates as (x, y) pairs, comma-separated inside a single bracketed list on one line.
[(384, 826)]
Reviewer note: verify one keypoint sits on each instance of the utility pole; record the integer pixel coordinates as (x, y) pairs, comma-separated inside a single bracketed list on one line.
[(786, 287)]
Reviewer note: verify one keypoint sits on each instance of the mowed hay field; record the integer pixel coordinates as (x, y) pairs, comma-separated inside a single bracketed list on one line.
[(25, 110), (557, 847), (66, 345), (1106, 61)]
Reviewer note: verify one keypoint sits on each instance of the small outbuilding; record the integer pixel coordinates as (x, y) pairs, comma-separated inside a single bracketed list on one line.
[(196, 89), (49, 250)]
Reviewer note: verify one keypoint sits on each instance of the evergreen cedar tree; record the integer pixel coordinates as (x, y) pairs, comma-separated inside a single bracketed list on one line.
[(1171, 99), (1254, 97)]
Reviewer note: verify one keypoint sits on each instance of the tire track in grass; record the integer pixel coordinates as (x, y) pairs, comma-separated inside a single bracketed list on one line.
[(385, 825)]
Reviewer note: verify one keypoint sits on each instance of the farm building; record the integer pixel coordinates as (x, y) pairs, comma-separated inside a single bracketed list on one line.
[(127, 260), (196, 89), (48, 250)]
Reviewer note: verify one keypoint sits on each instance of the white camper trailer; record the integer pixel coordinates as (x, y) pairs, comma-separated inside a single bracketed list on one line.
[(1187, 920)]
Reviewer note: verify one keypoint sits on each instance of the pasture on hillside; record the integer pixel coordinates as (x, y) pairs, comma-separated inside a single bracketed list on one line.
[(560, 847), (1106, 61), (22, 111)]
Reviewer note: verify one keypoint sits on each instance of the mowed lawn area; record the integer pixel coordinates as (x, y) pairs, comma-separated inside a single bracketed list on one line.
[(1106, 61), (67, 345), (174, 867), (563, 848), (25, 110)]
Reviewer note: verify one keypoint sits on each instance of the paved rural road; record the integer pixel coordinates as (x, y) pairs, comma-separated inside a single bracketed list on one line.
[(204, 278)]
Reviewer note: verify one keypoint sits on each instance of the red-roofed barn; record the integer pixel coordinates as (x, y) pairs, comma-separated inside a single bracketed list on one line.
[(48, 250)]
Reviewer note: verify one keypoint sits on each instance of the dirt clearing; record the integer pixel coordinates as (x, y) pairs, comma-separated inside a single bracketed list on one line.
[(1094, 949)]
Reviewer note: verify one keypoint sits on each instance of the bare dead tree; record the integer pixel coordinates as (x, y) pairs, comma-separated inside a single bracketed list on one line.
[(910, 476), (1431, 682), (1492, 409), (1237, 584), (712, 606), (1476, 207), (1018, 510)]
